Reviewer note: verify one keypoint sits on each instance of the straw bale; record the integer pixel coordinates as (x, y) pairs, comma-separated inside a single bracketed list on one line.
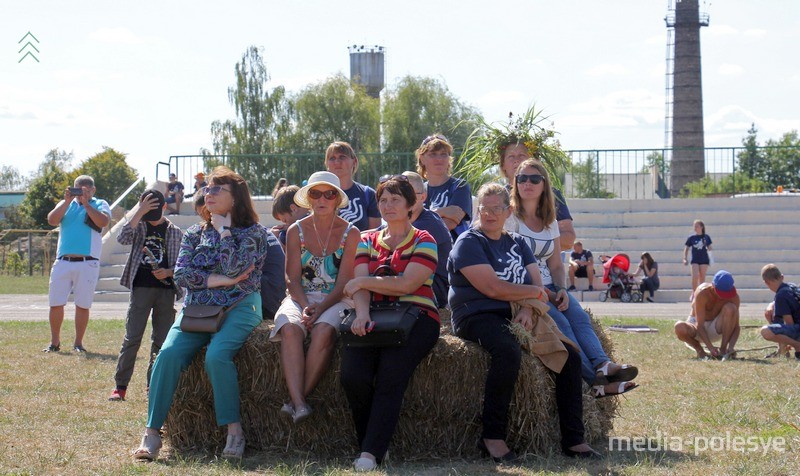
[(440, 415)]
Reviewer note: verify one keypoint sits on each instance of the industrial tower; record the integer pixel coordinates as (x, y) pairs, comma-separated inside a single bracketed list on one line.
[(684, 133)]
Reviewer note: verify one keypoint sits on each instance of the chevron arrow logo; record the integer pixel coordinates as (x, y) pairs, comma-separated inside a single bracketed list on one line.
[(28, 47)]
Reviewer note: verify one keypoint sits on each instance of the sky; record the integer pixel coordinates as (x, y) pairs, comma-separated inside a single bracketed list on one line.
[(149, 77)]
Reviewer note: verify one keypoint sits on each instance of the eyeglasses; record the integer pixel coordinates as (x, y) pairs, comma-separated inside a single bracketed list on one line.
[(386, 178), (213, 190), (491, 210), (328, 194), (533, 178), (426, 140)]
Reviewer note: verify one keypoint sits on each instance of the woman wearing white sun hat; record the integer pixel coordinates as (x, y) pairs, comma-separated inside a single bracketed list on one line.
[(320, 252)]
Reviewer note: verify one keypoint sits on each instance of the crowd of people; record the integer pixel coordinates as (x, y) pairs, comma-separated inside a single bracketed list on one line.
[(343, 246)]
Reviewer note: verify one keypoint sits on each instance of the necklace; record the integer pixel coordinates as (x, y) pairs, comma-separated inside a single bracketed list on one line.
[(327, 239)]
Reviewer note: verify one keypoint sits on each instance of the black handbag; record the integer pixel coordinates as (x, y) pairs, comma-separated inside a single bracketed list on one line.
[(203, 318), (393, 323)]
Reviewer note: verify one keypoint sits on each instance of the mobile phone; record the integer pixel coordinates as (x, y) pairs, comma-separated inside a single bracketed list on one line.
[(75, 191)]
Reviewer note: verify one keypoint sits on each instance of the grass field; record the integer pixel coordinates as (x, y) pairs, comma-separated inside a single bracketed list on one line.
[(24, 284), (56, 419)]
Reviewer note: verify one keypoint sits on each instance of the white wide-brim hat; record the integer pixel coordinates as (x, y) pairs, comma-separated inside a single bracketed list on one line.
[(320, 178)]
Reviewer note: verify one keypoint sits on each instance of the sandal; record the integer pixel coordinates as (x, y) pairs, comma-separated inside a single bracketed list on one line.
[(625, 373), (52, 348), (234, 447), (599, 391), (148, 450)]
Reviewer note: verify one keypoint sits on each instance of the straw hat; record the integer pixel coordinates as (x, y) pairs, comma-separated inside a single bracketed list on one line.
[(320, 178)]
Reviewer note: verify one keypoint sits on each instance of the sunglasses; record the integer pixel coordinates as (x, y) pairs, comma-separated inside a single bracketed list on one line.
[(491, 210), (328, 194), (213, 190), (386, 178), (533, 178), (426, 140)]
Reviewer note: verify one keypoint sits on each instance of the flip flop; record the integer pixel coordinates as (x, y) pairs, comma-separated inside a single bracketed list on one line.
[(599, 391), (625, 373)]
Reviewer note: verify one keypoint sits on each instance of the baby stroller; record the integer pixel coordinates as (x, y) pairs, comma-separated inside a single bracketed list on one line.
[(621, 284)]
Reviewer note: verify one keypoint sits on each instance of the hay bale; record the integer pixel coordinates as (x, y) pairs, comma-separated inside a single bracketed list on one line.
[(440, 416)]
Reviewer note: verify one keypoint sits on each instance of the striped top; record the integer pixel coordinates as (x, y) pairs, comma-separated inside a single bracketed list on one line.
[(418, 247)]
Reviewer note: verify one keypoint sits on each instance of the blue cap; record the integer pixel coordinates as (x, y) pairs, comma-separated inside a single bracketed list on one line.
[(723, 284)]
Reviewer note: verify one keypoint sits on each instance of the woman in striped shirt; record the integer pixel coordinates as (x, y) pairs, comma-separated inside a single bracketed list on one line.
[(395, 263)]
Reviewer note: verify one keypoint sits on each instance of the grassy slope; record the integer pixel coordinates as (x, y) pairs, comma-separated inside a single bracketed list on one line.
[(56, 419)]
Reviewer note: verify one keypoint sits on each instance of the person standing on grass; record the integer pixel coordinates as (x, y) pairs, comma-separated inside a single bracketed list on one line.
[(155, 243), (81, 217), (785, 326), (715, 316), (362, 206), (700, 246)]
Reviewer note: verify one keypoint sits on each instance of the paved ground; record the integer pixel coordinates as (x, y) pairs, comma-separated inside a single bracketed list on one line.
[(28, 307)]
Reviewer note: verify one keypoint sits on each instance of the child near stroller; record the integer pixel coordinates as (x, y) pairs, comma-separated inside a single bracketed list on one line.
[(622, 285)]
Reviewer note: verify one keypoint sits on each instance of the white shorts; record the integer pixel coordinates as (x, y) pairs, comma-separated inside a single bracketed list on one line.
[(291, 313), (710, 327), (78, 277)]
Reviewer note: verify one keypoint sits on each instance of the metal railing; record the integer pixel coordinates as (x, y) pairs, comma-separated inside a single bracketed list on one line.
[(594, 173)]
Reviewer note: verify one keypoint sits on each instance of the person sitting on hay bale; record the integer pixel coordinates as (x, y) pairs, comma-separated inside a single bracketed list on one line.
[(219, 263), (488, 268), (534, 217), (715, 316), (316, 279), (396, 263), (784, 327)]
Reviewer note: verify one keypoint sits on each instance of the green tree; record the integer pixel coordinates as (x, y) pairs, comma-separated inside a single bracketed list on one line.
[(782, 161), (656, 159), (335, 109), (263, 124), (751, 160), (417, 107), (46, 187), (587, 179), (736, 182), (11, 179), (112, 176)]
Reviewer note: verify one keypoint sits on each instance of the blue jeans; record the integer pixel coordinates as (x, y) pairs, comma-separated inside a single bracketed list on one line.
[(179, 350), (575, 324)]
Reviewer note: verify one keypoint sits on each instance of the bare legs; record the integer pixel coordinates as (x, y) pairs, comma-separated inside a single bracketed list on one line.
[(302, 370), (726, 324), (56, 318), (698, 275)]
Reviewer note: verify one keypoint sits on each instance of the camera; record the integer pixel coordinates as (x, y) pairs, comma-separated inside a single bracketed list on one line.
[(75, 191)]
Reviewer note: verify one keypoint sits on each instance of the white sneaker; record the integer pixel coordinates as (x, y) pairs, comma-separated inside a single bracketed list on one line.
[(364, 464)]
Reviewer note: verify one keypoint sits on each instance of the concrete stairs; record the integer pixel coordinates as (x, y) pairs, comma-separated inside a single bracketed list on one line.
[(747, 233)]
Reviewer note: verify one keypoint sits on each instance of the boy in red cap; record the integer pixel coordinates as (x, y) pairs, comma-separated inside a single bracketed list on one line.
[(715, 316)]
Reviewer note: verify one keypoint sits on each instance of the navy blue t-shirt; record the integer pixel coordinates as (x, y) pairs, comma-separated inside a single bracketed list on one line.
[(453, 192), (273, 277), (699, 245), (508, 256), (584, 256), (433, 224), (786, 304), (363, 206)]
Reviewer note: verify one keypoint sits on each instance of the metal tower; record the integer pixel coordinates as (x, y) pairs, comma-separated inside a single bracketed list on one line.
[(366, 67), (683, 130)]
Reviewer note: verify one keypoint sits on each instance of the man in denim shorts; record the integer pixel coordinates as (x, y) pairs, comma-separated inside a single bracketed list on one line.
[(785, 311), (81, 217)]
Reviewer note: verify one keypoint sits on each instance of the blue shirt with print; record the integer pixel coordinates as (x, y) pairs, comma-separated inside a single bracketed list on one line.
[(363, 206)]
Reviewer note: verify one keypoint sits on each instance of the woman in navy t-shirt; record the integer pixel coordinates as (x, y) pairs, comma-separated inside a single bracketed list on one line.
[(448, 196), (700, 245), (488, 268), (362, 208)]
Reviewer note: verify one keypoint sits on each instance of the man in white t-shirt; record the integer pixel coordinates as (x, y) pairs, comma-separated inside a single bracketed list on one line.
[(81, 217)]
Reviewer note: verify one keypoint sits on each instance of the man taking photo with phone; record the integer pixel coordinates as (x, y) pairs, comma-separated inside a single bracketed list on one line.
[(81, 217)]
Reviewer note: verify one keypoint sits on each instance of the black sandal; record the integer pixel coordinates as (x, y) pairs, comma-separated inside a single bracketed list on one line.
[(52, 348)]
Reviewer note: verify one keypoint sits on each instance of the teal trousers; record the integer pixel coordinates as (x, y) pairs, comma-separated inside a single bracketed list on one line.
[(180, 348)]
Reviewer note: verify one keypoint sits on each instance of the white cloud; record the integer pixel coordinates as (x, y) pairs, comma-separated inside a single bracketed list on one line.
[(607, 69), (727, 69), (118, 35), (755, 32)]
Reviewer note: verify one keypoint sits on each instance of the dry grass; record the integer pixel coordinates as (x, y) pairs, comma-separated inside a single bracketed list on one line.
[(55, 418)]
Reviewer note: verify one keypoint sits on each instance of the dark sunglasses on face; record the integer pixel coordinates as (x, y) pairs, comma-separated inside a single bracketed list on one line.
[(213, 190), (533, 178), (426, 140), (386, 178), (328, 194)]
